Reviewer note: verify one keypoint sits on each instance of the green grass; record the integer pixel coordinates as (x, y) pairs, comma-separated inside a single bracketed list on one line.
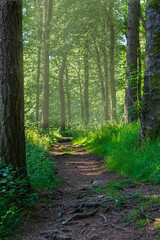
[(117, 143)]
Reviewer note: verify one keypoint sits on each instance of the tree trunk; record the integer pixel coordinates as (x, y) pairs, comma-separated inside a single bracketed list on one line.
[(68, 98), (37, 84), (150, 117), (12, 138), (101, 79), (86, 83), (62, 96), (111, 66), (39, 19), (45, 91), (81, 97), (139, 71), (131, 58), (106, 83)]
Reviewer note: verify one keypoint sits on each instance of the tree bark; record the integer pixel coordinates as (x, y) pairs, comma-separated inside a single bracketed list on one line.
[(139, 71), (45, 91), (86, 83), (131, 58), (68, 98), (12, 138), (61, 94), (101, 80), (37, 84), (81, 96), (150, 117), (106, 82), (39, 19), (112, 66)]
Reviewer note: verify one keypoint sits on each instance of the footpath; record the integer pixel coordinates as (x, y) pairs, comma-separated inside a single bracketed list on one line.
[(93, 203)]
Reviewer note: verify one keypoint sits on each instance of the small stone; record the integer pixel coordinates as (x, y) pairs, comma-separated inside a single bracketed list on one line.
[(61, 237), (98, 183), (95, 237), (93, 229)]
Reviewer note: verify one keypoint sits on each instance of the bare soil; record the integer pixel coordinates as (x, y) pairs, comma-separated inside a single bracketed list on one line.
[(91, 204)]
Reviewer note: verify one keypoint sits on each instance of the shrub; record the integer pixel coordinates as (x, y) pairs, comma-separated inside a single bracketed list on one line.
[(40, 163), (14, 199)]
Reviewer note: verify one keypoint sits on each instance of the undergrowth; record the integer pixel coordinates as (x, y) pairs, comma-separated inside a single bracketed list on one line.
[(40, 163), (15, 200), (117, 143)]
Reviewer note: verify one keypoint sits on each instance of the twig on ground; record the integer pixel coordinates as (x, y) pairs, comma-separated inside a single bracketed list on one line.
[(145, 215), (137, 237), (117, 227), (103, 217)]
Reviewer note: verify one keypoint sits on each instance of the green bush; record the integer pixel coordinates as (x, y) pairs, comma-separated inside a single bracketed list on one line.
[(41, 168), (38, 137), (40, 163), (14, 199)]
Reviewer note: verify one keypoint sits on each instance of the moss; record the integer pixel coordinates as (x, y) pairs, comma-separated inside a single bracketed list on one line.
[(155, 83), (154, 3), (151, 134), (156, 46)]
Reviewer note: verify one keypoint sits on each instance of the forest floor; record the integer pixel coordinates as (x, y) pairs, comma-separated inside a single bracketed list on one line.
[(93, 203)]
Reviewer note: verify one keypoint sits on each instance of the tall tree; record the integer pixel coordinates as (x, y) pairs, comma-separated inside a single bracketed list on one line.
[(61, 94), (37, 5), (101, 81), (150, 117), (131, 58), (12, 138), (47, 14), (68, 95), (112, 65), (106, 82), (86, 82), (37, 82)]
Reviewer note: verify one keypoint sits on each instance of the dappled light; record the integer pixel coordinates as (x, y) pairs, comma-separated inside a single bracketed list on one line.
[(79, 162), (79, 119)]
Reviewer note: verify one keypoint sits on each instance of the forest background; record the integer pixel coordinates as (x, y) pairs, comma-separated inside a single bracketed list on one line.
[(84, 66)]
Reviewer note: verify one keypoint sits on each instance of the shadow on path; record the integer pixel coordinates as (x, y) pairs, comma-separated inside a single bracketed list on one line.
[(93, 203)]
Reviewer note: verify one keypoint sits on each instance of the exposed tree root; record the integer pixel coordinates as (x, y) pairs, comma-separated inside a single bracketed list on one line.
[(80, 216)]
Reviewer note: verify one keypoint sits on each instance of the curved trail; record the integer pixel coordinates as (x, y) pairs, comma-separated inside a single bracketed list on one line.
[(81, 210)]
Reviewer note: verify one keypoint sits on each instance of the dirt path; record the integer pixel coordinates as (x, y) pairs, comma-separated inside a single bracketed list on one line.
[(93, 203)]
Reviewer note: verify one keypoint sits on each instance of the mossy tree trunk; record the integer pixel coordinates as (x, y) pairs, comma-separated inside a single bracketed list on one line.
[(150, 117)]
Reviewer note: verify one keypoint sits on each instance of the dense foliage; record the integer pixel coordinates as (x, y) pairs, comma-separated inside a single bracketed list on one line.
[(15, 199), (40, 162), (117, 143)]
